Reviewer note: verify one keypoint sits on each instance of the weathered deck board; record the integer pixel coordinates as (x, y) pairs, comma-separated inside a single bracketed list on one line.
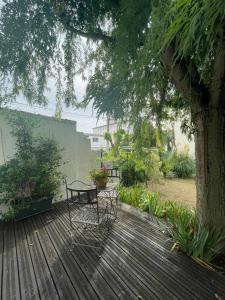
[(10, 277), (38, 262), (98, 270), (188, 268), (45, 282), (1, 255), (28, 284), (125, 272), (85, 288)]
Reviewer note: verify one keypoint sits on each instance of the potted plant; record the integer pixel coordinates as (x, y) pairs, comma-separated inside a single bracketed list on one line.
[(30, 180), (100, 177)]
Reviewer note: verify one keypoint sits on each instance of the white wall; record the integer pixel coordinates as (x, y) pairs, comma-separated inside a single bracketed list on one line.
[(76, 153), (182, 141)]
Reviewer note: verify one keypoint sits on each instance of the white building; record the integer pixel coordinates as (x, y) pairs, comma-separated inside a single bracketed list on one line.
[(98, 142), (97, 137)]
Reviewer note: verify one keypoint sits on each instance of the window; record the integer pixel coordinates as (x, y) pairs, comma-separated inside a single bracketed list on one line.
[(95, 140)]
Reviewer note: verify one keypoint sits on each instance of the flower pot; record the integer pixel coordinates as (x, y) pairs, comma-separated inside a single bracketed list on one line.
[(32, 207), (101, 183)]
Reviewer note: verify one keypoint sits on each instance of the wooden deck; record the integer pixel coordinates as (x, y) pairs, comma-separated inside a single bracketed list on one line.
[(36, 262)]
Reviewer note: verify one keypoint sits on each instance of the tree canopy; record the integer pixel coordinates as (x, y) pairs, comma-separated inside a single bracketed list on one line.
[(142, 48), (146, 59)]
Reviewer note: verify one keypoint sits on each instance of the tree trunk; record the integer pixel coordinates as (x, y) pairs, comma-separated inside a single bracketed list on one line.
[(210, 165)]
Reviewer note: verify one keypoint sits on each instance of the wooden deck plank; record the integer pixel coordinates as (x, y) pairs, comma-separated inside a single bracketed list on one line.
[(37, 262), (28, 284), (60, 277), (160, 260), (11, 285), (79, 280), (128, 273), (1, 255), (188, 268), (115, 256), (102, 270), (153, 266), (184, 287), (45, 282)]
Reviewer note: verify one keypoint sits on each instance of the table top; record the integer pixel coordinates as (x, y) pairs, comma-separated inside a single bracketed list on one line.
[(80, 186)]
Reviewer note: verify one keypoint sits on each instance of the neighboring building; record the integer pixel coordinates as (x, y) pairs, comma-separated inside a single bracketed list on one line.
[(97, 136), (98, 142)]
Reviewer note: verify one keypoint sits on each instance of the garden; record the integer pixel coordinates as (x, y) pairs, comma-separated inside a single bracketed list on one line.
[(144, 63), (145, 166)]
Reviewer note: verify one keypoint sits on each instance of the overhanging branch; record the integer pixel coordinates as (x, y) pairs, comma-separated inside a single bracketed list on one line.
[(66, 19), (189, 85), (95, 36)]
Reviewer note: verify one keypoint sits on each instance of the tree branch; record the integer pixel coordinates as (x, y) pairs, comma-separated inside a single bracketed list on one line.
[(189, 85), (95, 36), (66, 19)]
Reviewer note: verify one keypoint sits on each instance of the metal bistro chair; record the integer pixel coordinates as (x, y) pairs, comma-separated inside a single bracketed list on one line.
[(86, 217), (110, 194)]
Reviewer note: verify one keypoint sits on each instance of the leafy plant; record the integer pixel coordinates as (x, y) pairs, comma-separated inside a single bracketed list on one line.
[(131, 195), (183, 165), (189, 236), (97, 174), (33, 172), (150, 203), (193, 238), (132, 173), (167, 163)]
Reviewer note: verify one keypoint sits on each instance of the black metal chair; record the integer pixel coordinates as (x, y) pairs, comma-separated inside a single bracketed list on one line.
[(110, 194), (87, 219)]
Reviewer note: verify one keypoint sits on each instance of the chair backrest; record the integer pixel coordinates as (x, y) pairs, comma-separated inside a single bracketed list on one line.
[(81, 193), (113, 172)]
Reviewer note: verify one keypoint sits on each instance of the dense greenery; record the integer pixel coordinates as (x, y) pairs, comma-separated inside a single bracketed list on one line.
[(151, 58), (187, 233), (184, 165), (177, 164), (131, 173), (142, 157), (33, 172)]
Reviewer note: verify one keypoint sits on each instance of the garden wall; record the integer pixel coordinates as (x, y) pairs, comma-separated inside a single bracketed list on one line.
[(76, 154)]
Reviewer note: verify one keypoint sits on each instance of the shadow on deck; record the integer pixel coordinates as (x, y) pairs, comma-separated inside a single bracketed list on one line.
[(37, 262)]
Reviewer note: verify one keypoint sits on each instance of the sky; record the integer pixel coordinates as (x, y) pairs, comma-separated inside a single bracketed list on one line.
[(86, 118)]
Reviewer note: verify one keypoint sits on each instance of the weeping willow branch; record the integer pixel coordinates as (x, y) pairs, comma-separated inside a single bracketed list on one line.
[(190, 86)]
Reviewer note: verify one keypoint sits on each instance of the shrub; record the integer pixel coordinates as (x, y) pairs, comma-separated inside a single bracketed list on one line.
[(183, 165), (33, 172), (193, 238), (131, 195), (138, 196), (167, 163), (130, 175)]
